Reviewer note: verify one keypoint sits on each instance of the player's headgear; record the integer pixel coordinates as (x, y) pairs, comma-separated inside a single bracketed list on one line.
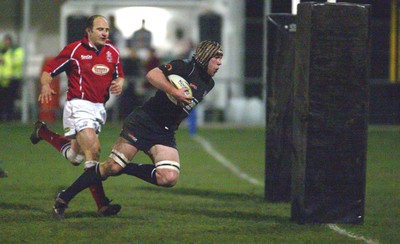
[(205, 51)]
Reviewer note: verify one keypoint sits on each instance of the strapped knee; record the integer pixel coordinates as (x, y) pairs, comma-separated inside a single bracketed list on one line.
[(168, 164), (119, 158)]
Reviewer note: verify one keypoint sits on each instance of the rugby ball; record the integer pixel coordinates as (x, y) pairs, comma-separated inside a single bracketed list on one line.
[(179, 83)]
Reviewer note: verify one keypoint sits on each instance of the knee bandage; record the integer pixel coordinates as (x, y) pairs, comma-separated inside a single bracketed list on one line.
[(119, 158), (168, 164)]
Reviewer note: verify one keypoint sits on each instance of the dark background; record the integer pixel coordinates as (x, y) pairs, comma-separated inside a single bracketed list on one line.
[(380, 21)]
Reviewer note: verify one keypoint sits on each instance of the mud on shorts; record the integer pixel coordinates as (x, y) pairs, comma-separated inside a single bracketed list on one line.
[(143, 132), (82, 114)]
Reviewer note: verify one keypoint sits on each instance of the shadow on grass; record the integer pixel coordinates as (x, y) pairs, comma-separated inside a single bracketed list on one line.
[(231, 214), (219, 213), (218, 195), (82, 214), (47, 212), (18, 206)]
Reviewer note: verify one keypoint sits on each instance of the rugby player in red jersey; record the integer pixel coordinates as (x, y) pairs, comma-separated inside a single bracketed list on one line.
[(94, 70)]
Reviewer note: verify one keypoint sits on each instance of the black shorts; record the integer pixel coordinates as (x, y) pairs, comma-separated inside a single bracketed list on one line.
[(143, 132)]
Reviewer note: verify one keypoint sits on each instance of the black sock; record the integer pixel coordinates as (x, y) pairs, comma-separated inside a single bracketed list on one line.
[(90, 177), (145, 172)]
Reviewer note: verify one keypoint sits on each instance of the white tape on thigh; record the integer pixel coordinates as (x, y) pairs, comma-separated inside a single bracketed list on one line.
[(168, 164), (119, 158)]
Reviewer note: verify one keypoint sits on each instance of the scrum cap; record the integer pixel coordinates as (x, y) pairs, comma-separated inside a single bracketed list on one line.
[(205, 51)]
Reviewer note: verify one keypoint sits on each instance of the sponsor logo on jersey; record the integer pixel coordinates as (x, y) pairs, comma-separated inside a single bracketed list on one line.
[(100, 69), (88, 57)]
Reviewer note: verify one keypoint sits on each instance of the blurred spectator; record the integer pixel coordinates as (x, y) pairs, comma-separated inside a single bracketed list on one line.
[(116, 36), (129, 99), (140, 42), (132, 65), (11, 72), (141, 38), (183, 47), (152, 62)]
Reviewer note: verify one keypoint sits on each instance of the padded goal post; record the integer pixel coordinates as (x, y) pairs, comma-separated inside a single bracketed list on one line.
[(330, 113), (279, 147)]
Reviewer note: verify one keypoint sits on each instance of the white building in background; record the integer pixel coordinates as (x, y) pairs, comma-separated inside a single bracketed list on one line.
[(162, 18)]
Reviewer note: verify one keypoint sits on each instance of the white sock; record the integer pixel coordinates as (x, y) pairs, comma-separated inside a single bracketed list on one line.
[(71, 155)]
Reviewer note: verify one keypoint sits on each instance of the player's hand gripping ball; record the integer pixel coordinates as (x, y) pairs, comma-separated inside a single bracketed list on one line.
[(179, 83)]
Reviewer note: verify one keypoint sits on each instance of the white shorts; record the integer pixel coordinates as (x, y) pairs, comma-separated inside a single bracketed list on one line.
[(81, 114)]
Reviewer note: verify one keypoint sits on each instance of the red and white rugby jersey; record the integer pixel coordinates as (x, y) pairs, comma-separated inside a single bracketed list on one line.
[(89, 74)]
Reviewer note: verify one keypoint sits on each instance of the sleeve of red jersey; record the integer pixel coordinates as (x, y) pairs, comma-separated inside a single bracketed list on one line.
[(59, 63), (120, 70)]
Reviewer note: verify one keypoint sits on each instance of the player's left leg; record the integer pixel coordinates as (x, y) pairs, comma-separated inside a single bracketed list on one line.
[(91, 176), (61, 143), (165, 170)]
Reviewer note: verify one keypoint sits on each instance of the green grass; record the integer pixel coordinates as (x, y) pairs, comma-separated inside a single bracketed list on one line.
[(209, 205)]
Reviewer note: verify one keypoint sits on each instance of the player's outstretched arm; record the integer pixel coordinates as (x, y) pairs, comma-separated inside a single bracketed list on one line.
[(46, 91)]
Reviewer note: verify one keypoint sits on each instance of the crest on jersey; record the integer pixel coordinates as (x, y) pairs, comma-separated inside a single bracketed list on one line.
[(100, 69)]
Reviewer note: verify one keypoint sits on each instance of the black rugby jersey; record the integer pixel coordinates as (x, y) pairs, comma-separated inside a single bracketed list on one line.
[(165, 112)]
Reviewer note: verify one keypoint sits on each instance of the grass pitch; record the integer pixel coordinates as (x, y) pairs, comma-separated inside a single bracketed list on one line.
[(210, 204)]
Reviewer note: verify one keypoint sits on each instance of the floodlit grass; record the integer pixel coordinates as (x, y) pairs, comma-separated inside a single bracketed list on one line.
[(209, 205)]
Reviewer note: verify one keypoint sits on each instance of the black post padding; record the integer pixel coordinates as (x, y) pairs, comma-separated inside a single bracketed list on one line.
[(330, 113), (210, 27), (75, 27), (279, 148)]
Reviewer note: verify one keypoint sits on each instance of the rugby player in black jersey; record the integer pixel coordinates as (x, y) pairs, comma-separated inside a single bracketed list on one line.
[(151, 128)]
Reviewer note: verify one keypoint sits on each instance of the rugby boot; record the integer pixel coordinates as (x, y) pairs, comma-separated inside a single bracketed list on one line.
[(59, 207), (35, 138), (109, 209)]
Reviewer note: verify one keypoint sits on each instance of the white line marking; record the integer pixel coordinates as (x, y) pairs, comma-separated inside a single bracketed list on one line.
[(349, 234), (209, 149)]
